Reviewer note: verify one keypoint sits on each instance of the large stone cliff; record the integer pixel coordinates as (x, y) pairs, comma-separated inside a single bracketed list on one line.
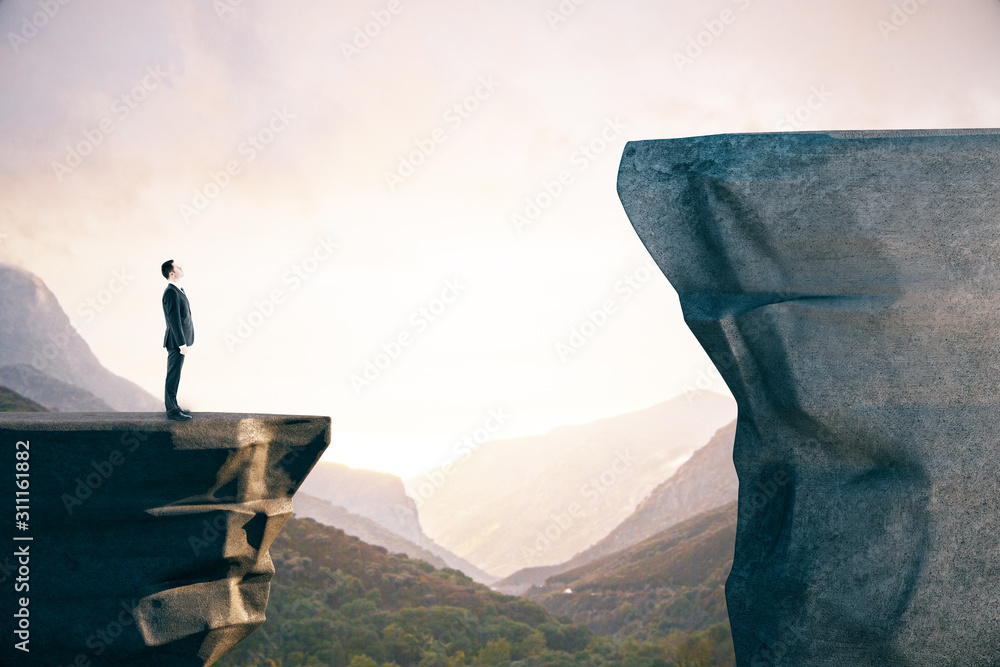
[(846, 286), (133, 540)]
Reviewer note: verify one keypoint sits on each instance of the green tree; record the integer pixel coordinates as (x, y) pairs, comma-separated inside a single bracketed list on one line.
[(694, 652), (494, 654)]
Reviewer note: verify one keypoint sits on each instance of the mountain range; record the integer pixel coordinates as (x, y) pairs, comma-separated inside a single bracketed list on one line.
[(11, 401), (633, 533), (358, 501), (705, 481), (56, 395), (539, 500), (45, 358), (671, 582), (363, 528)]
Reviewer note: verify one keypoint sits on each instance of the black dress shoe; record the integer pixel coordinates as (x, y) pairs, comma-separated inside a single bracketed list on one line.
[(185, 411), (179, 416)]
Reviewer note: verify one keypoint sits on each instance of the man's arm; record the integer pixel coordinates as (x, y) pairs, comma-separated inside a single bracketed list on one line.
[(172, 313)]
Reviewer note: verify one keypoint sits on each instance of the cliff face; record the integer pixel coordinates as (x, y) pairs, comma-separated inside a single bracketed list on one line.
[(143, 541), (846, 287)]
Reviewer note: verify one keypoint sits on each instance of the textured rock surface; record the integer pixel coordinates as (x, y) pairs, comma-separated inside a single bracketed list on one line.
[(846, 287), (149, 538)]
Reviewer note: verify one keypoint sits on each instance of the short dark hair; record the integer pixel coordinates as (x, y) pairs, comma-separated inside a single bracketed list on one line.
[(167, 267)]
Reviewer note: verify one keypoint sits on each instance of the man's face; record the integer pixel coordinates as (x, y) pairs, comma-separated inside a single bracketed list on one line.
[(176, 272)]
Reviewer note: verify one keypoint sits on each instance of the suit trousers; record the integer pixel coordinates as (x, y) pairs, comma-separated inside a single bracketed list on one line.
[(175, 360)]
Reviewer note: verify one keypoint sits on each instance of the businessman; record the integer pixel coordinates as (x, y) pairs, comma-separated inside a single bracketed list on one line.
[(178, 337)]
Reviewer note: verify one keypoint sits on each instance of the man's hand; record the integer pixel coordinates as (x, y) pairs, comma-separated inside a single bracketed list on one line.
[(184, 349)]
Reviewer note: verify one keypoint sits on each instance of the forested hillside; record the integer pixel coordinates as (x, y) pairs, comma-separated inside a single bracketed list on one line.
[(336, 601)]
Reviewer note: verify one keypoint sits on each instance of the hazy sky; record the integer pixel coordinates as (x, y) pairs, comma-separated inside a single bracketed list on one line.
[(371, 183)]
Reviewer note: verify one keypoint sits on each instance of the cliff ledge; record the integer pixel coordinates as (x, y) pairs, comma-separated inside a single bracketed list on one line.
[(134, 540), (845, 285)]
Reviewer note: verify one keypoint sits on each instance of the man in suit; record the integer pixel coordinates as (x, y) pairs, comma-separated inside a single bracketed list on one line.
[(178, 337)]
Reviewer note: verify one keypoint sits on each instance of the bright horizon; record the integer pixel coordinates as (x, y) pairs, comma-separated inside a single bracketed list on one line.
[(443, 193)]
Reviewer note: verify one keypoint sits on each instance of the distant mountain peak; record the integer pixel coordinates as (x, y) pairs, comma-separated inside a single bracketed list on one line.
[(538, 500), (378, 497), (36, 332), (705, 481), (11, 401)]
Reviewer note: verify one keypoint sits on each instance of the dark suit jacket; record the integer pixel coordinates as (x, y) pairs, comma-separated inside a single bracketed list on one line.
[(177, 313)]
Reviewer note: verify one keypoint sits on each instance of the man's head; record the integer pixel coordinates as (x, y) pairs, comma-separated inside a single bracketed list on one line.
[(171, 271)]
